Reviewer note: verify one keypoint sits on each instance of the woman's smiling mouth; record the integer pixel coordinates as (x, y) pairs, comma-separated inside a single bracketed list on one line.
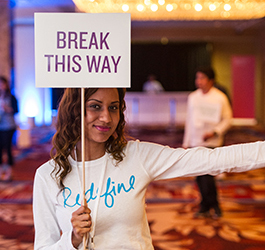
[(102, 128)]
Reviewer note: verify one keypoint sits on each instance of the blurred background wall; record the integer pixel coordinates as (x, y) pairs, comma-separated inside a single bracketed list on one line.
[(187, 44)]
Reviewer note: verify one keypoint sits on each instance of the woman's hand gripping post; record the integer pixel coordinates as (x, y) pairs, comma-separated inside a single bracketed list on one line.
[(81, 222)]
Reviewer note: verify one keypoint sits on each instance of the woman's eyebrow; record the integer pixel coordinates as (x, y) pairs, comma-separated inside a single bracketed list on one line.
[(101, 101), (94, 100)]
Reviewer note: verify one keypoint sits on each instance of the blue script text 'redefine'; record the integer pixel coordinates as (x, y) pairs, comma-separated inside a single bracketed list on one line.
[(112, 190)]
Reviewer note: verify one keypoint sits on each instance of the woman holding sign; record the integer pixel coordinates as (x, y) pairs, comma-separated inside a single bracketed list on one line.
[(118, 172)]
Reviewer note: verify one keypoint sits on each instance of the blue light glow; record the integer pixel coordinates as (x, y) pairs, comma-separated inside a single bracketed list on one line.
[(31, 108)]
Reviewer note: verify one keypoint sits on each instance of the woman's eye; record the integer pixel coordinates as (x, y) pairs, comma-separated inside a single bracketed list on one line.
[(113, 107), (94, 106)]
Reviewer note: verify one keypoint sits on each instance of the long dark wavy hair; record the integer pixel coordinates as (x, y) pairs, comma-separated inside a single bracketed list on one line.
[(68, 131)]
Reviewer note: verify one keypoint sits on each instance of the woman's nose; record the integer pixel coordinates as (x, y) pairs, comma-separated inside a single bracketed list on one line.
[(105, 116)]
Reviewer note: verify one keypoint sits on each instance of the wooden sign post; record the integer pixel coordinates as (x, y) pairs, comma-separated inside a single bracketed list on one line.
[(80, 50)]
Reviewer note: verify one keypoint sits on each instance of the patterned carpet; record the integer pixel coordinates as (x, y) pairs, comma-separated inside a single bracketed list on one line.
[(170, 205)]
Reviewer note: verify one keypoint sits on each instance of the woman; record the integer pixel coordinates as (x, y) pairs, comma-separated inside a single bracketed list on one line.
[(8, 108), (117, 175)]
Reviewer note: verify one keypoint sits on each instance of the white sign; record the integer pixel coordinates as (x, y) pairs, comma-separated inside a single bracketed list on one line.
[(82, 50)]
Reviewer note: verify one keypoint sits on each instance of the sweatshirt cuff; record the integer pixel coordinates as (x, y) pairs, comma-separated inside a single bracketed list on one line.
[(68, 239)]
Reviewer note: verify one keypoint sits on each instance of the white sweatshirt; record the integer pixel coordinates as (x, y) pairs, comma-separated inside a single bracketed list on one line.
[(120, 219)]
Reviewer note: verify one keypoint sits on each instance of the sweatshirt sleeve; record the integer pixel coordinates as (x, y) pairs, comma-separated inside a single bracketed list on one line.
[(47, 231), (163, 162)]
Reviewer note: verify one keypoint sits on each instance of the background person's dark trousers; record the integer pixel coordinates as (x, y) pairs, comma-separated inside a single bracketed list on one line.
[(207, 187)]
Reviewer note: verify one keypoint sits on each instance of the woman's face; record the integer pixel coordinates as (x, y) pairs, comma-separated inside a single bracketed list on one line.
[(102, 114)]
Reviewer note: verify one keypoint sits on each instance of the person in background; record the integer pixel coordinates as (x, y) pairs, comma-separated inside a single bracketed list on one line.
[(208, 118), (118, 172), (152, 85), (8, 108)]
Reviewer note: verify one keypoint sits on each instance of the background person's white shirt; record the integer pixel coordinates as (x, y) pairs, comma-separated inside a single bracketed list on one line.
[(206, 113)]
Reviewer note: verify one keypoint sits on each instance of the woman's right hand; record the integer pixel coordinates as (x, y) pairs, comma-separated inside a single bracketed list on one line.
[(81, 222)]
